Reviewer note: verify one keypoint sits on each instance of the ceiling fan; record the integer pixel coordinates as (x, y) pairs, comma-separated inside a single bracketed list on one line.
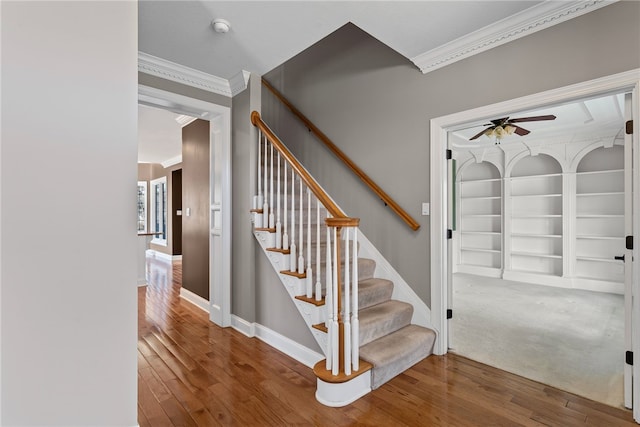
[(499, 128)]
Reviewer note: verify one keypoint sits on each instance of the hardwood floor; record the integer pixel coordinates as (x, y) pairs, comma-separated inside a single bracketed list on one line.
[(193, 373)]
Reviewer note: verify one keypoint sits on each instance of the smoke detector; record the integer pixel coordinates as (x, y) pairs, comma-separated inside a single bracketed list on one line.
[(221, 25)]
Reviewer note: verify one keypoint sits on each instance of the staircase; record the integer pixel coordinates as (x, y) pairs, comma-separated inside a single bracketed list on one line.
[(367, 336)]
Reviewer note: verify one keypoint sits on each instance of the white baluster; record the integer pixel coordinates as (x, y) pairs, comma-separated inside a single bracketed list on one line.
[(278, 224), (292, 250), (285, 235), (272, 220), (347, 307), (300, 237), (329, 303), (259, 200), (335, 344), (265, 206), (309, 270), (355, 323), (318, 269)]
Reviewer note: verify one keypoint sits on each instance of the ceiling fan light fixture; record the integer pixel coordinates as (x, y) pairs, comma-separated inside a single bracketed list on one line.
[(510, 129), (221, 25)]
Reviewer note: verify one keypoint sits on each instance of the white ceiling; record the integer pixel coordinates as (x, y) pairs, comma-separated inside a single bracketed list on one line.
[(265, 34), (159, 135), (601, 117)]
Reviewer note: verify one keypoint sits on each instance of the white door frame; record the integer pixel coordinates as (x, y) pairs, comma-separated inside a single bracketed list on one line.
[(627, 81), (220, 196)]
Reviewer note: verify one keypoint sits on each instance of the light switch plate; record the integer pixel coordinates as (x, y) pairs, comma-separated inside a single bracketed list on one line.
[(425, 209)]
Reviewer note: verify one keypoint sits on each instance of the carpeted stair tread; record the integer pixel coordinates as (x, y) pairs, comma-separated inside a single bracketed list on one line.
[(366, 268), (382, 319), (373, 291), (394, 353)]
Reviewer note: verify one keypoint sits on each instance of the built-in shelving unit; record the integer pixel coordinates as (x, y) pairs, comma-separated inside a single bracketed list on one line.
[(480, 231), (555, 218), (600, 217), (536, 223)]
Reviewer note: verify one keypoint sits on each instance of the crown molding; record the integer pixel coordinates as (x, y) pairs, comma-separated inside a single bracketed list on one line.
[(178, 73), (172, 161), (239, 82), (529, 21)]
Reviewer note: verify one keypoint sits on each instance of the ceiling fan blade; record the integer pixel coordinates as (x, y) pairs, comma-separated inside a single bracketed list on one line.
[(479, 134), (532, 119), (520, 131)]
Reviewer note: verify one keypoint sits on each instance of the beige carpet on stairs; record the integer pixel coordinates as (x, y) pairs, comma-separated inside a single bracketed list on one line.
[(567, 338)]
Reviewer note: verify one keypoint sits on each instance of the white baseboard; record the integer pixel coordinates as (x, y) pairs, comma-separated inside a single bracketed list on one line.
[(161, 256), (194, 299), (286, 345), (289, 347), (241, 325)]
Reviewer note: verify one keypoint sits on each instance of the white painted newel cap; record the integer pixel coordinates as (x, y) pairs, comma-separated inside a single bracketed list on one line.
[(221, 25)]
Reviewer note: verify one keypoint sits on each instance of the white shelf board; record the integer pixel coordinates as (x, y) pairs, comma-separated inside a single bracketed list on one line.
[(545, 236), (596, 259), (536, 255), (497, 251), (587, 237), (519, 196)]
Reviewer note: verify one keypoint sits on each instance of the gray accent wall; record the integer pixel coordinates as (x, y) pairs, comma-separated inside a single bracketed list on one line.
[(376, 106)]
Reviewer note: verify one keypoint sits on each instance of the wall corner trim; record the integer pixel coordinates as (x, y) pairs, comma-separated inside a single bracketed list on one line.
[(529, 21), (178, 73)]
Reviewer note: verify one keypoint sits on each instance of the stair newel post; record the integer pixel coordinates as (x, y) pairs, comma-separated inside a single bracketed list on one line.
[(292, 249), (309, 270), (265, 205), (318, 283), (347, 306), (272, 220), (329, 300), (278, 223), (285, 235), (300, 235), (355, 323), (336, 323)]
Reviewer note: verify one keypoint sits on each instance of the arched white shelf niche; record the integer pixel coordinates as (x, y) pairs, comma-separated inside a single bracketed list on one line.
[(534, 201), (478, 234), (600, 217)]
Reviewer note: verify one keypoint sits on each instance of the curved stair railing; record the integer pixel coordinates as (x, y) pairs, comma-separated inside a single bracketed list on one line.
[(320, 245), (386, 199)]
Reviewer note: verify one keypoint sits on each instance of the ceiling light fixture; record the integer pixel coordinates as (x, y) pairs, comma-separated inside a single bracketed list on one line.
[(221, 25)]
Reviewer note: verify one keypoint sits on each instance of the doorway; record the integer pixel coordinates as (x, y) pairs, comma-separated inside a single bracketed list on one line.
[(219, 117), (176, 211), (538, 224), (442, 254)]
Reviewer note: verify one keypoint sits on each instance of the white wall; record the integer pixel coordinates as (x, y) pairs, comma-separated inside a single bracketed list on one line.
[(68, 175)]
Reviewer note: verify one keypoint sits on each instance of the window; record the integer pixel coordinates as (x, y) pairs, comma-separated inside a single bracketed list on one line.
[(142, 206), (158, 192)]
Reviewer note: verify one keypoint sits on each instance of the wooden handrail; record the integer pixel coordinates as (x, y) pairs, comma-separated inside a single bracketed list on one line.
[(311, 183), (345, 159)]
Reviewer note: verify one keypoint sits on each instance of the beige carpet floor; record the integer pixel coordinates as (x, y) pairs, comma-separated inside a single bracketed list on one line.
[(570, 339)]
